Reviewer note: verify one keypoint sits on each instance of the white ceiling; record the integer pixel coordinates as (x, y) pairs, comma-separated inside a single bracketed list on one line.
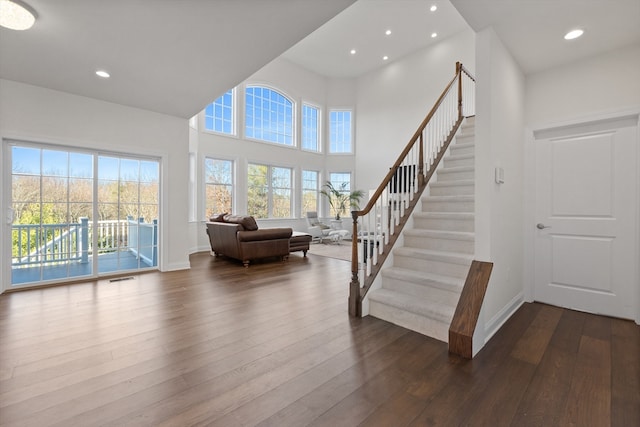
[(169, 56), (533, 30), (362, 27), (175, 56)]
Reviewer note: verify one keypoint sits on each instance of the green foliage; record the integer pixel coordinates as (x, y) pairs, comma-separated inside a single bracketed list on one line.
[(340, 198)]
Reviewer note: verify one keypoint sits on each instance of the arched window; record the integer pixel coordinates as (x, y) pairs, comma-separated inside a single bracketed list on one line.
[(269, 116)]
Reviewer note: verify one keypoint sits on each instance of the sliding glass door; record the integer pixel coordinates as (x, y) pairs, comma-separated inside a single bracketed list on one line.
[(127, 230), (80, 214)]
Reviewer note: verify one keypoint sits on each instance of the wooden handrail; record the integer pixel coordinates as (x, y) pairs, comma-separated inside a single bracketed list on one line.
[(417, 162)]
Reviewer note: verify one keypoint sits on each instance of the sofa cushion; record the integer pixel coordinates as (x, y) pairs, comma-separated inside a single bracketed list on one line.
[(218, 217), (246, 221)]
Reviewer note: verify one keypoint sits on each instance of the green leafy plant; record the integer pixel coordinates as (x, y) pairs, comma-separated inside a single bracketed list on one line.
[(339, 197)]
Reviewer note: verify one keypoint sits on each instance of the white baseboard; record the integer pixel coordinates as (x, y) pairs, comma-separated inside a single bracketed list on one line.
[(502, 316), (177, 266)]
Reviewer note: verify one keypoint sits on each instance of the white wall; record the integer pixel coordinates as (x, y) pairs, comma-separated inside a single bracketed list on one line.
[(32, 113), (499, 142), (601, 85), (393, 101), (300, 85)]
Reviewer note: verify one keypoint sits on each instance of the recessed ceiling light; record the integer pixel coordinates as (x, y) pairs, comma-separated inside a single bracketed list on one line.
[(434, 35), (384, 58), (388, 32), (103, 74), (16, 15), (433, 8), (573, 34), (352, 52)]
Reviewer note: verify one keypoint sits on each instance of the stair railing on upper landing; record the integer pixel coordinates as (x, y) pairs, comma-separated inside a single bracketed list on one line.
[(377, 227)]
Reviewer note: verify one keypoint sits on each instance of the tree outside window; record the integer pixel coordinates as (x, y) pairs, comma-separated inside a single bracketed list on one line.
[(281, 192), (310, 191), (218, 186), (269, 191), (258, 191)]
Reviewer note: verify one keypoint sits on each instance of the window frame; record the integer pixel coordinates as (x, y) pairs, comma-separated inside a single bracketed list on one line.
[(348, 190), (206, 184), (331, 132), (233, 109), (292, 109), (304, 189), (270, 189), (318, 133)]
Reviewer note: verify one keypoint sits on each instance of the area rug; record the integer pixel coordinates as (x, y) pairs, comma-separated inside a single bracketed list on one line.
[(340, 250)]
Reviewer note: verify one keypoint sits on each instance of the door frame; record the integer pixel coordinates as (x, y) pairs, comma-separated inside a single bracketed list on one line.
[(5, 202), (530, 205)]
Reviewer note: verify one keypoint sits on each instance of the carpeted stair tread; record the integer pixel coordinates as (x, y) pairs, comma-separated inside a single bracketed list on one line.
[(441, 256), (446, 283), (440, 234), (440, 312)]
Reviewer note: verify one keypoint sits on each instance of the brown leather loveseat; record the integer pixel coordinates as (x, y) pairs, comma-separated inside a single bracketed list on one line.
[(238, 237)]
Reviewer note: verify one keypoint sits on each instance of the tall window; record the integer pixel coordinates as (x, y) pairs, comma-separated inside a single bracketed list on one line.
[(340, 131), (269, 116), (310, 128), (310, 191), (218, 184), (269, 191), (218, 116), (342, 182)]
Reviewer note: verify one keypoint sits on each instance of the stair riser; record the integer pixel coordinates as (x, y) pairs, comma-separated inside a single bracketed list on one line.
[(431, 266), (446, 245), (444, 176), (463, 150), (455, 162), (424, 325), (444, 224), (440, 206), (452, 190), (422, 292)]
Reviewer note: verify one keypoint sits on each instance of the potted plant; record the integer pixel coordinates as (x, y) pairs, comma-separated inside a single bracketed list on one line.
[(339, 196)]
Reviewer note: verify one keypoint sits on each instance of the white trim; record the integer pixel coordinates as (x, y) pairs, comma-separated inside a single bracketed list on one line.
[(496, 322), (62, 145), (175, 266), (587, 123)]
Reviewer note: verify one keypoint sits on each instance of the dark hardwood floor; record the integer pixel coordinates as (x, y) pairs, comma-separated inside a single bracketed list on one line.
[(273, 345)]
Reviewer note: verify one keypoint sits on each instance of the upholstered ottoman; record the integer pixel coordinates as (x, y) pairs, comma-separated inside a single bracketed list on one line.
[(299, 242)]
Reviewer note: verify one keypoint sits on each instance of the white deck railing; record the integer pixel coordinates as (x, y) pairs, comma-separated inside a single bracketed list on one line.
[(59, 243)]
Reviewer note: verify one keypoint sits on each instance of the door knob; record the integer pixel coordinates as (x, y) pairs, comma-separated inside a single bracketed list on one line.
[(541, 226)]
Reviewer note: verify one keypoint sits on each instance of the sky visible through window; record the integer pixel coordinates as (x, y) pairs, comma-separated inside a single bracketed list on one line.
[(269, 116), (36, 161), (218, 116)]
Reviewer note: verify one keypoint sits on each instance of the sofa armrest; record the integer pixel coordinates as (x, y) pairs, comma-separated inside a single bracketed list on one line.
[(264, 234)]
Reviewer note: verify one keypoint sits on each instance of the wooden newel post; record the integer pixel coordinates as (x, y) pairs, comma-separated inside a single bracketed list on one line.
[(355, 305)]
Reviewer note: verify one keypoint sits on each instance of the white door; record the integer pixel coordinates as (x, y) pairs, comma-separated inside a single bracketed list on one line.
[(586, 252)]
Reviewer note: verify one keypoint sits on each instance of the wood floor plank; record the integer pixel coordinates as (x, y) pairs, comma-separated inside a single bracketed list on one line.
[(533, 343), (589, 399), (273, 345), (546, 395), (625, 373)]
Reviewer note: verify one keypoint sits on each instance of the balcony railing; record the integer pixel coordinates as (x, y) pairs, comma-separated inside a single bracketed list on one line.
[(61, 243)]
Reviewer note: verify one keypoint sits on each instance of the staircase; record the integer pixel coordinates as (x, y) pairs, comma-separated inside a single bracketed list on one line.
[(422, 287)]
